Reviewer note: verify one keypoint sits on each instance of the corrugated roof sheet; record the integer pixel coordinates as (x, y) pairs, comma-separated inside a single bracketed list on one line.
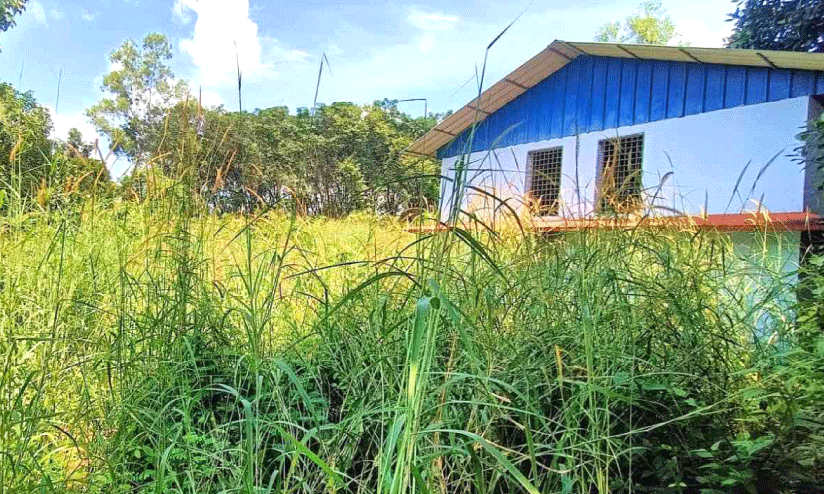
[(560, 53)]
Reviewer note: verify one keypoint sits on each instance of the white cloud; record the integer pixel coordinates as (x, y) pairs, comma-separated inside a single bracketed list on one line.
[(89, 16), (334, 50), (431, 63), (63, 122), (211, 98), (181, 11), (222, 31), (697, 33), (416, 67), (432, 21), (207, 97), (426, 43), (56, 14), (38, 12)]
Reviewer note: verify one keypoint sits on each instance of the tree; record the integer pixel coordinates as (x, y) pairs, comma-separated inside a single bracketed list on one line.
[(79, 171), (8, 9), (143, 89), (79, 177), (342, 158), (25, 149), (76, 146), (794, 25), (33, 168), (649, 25)]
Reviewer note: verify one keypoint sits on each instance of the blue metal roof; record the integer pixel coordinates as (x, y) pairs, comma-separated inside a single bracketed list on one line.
[(594, 93)]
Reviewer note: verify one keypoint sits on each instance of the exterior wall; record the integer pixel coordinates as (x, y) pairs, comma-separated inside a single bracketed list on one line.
[(774, 253), (706, 154), (591, 94), (763, 261)]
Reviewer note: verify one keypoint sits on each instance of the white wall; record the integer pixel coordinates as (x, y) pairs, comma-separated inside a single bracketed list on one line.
[(775, 253), (705, 152)]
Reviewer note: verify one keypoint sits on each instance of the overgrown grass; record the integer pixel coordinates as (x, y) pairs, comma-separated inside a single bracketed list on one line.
[(145, 350)]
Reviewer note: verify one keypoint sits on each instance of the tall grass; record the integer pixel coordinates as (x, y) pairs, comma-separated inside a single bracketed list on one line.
[(154, 347), (151, 351)]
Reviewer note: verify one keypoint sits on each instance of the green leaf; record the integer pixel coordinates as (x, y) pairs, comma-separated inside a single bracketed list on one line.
[(499, 457), (679, 392), (653, 386)]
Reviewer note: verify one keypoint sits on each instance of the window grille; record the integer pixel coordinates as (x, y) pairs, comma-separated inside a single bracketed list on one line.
[(619, 164), (544, 179)]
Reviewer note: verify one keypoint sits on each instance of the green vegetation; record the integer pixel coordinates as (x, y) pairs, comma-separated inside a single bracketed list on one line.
[(36, 172), (649, 25), (143, 89), (148, 346), (331, 161), (9, 9), (234, 317), (796, 25)]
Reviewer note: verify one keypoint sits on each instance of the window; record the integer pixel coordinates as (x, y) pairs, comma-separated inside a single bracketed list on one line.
[(619, 166), (544, 180)]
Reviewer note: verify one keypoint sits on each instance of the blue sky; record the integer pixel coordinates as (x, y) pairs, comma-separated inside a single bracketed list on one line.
[(376, 49)]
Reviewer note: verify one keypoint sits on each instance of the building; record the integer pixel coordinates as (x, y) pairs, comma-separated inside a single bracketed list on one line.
[(598, 130)]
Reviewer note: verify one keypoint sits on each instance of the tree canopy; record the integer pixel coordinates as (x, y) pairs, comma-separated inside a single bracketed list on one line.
[(341, 158), (142, 88), (35, 169), (9, 9), (24, 140), (337, 159), (650, 24), (794, 25)]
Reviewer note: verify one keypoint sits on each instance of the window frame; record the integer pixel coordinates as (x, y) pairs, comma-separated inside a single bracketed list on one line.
[(554, 208), (631, 201)]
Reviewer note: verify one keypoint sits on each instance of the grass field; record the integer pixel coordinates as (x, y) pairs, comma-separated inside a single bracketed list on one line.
[(143, 349)]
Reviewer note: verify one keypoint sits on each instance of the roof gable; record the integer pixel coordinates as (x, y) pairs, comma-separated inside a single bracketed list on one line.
[(596, 93), (559, 91)]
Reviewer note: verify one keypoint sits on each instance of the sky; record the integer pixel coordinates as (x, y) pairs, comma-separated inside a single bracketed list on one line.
[(376, 49)]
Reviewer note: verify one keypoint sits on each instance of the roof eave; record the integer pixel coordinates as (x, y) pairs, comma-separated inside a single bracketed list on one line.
[(559, 53)]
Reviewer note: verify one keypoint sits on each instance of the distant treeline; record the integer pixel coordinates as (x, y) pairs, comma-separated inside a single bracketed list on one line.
[(330, 161)]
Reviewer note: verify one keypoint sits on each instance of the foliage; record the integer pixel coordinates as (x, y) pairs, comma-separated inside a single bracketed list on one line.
[(81, 176), (142, 88), (151, 345), (342, 158), (76, 146), (649, 25), (794, 25), (8, 9), (332, 161), (24, 142), (37, 172), (786, 399), (811, 151), (203, 353)]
